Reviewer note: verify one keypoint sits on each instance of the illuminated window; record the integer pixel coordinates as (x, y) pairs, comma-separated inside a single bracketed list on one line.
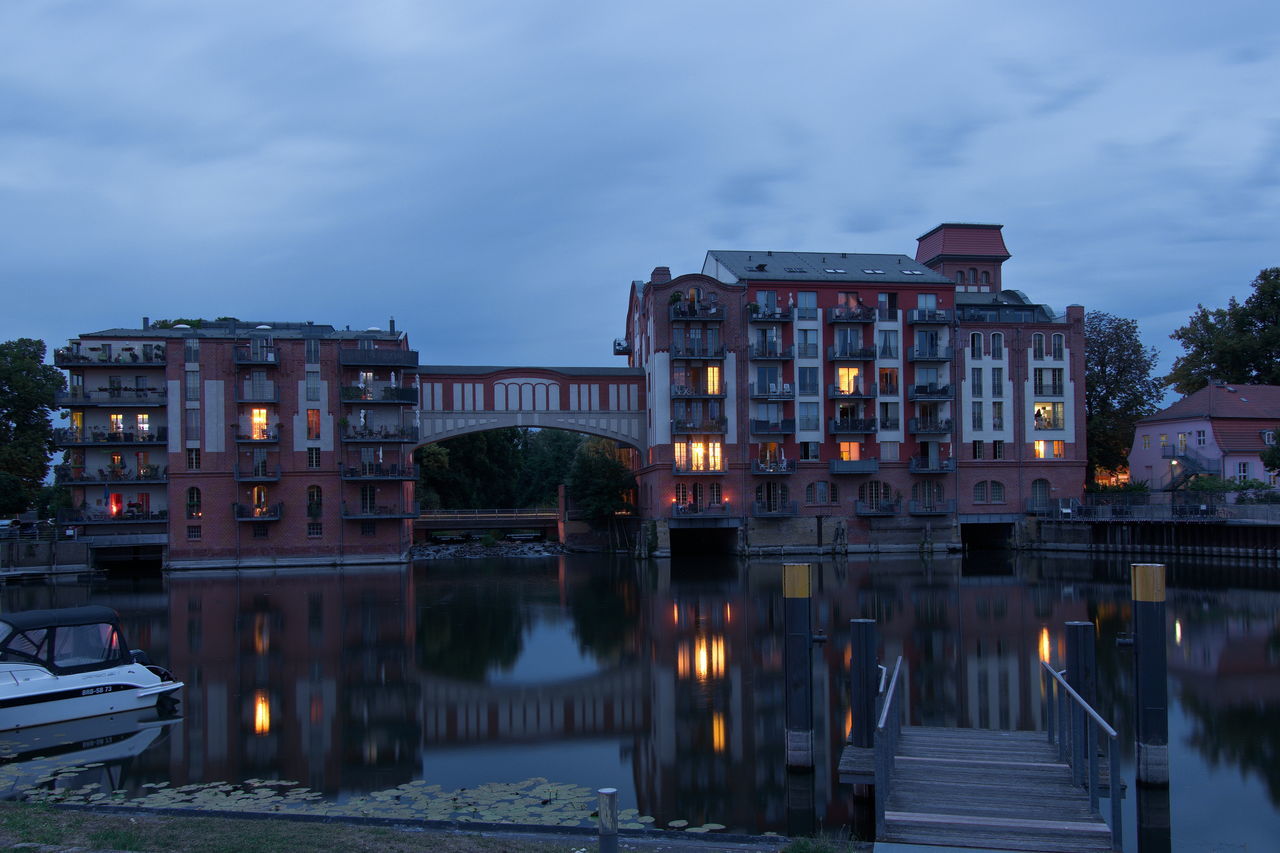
[(313, 424), (1146, 442), (850, 451), (1041, 449), (258, 421), (261, 713), (847, 379), (144, 424), (717, 731), (713, 379), (117, 423)]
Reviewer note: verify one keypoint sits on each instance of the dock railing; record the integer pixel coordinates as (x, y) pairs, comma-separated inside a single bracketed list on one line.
[(886, 743), (1074, 726)]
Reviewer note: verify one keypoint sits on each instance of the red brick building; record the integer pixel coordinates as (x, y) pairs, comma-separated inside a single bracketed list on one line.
[(862, 400), (242, 443)]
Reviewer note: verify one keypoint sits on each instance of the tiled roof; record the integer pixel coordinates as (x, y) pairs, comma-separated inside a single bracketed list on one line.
[(824, 266), (1241, 436), (962, 240), (1224, 401)]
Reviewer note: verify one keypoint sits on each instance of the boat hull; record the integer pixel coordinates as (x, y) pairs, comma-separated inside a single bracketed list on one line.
[(33, 697)]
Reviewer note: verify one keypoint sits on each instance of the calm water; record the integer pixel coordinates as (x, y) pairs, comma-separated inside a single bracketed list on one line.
[(666, 680)]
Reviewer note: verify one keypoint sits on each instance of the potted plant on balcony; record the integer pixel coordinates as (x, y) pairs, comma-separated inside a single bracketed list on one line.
[(753, 308)]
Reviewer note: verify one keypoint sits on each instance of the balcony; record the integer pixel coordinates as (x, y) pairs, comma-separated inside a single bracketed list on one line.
[(929, 315), (773, 391), (371, 512), (890, 424), (99, 516), (947, 507), (775, 509), (262, 436), (887, 315), (359, 357), (925, 465), (765, 352), (262, 356), (697, 351), (117, 397), (1048, 389), (857, 392), (379, 392), (76, 475), (931, 392), (689, 468), (128, 356), (851, 314), (685, 392), (67, 437), (924, 426), (692, 510), (684, 311), (257, 474), (840, 426), (757, 313), (685, 426), (379, 472), (760, 426), (262, 512), (847, 353), (877, 508), (1050, 424), (381, 434), (806, 350), (249, 393), (621, 346), (776, 467), (854, 466), (929, 354)]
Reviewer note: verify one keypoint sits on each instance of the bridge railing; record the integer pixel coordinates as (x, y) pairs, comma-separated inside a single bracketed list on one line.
[(489, 513), (888, 728), (1076, 732)]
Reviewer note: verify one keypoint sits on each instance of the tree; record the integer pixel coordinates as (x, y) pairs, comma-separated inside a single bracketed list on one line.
[(598, 482), (27, 390), (1239, 343), (1270, 454), (1119, 388)]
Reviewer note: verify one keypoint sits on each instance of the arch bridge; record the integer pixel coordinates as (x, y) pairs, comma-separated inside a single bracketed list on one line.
[(603, 401)]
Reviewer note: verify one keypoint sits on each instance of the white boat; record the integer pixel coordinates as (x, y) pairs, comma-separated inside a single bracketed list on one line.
[(69, 664)]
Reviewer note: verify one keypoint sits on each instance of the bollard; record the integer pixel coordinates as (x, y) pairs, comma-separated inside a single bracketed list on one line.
[(863, 682), (799, 663), (1082, 671), (1151, 726), (608, 809)]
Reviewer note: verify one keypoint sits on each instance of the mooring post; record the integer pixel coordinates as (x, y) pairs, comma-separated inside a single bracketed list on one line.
[(796, 593), (608, 810), (1151, 670), (1082, 672), (863, 682)]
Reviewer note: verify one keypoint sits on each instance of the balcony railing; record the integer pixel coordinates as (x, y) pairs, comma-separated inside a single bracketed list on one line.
[(890, 424), (686, 311), (877, 507), (925, 465), (773, 391), (397, 434), (99, 516), (686, 425), (259, 355), (887, 351), (852, 425), (380, 472), (851, 314), (929, 425), (777, 466), (857, 391), (946, 507), (1051, 389), (259, 512), (764, 426), (685, 391), (266, 393), (930, 392), (847, 353), (67, 357), (378, 393), (763, 314), (621, 346), (358, 357), (929, 315), (690, 468), (697, 351), (854, 466), (257, 474), (929, 354), (113, 397), (806, 350), (693, 510), (67, 437), (1043, 423), (370, 512), (775, 509), (264, 436), (767, 351), (69, 475)]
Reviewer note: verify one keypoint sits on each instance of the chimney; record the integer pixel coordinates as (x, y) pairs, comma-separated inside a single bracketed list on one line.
[(146, 323), (660, 275), (392, 325)]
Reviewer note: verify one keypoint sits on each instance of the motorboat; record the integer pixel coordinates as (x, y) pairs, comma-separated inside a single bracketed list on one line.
[(73, 663)]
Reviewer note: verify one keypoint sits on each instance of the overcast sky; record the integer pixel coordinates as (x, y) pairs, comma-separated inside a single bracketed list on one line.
[(495, 174)]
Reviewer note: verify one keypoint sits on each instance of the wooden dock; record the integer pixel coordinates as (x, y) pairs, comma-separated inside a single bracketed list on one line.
[(994, 790)]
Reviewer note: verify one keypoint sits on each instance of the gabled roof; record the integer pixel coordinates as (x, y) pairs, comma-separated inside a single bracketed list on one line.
[(962, 240), (820, 266), (1257, 402)]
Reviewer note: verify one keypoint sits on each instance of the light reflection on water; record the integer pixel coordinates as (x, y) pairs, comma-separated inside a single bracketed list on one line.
[(666, 679)]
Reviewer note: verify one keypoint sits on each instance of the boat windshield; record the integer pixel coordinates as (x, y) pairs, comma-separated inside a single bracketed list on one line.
[(85, 645), (28, 646)]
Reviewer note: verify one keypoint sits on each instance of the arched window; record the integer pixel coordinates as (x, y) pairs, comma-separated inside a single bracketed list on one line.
[(973, 275), (821, 492), (997, 492), (1037, 346), (975, 345), (980, 492), (959, 276), (1059, 347), (315, 501), (997, 345), (194, 508), (986, 277), (927, 493), (875, 493), (682, 494)]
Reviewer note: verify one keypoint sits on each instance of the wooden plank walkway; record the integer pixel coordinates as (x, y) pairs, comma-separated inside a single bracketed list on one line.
[(995, 790)]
